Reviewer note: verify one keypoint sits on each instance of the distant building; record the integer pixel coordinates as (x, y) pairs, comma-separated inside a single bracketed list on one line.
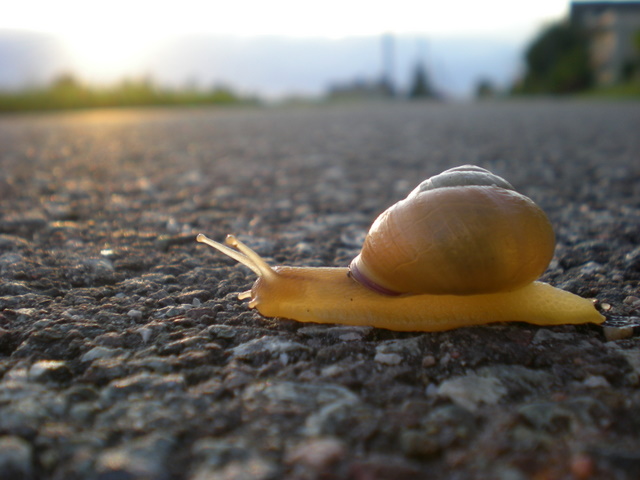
[(613, 29)]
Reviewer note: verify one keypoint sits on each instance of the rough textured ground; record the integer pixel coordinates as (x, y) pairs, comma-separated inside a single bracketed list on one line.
[(125, 354)]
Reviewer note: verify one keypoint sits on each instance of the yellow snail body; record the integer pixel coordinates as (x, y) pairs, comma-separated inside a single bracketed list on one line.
[(462, 249)]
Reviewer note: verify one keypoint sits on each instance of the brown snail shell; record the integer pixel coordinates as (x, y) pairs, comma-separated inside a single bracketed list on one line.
[(465, 231)]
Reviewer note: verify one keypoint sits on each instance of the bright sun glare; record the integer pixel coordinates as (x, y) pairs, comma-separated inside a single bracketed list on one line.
[(105, 40), (104, 57)]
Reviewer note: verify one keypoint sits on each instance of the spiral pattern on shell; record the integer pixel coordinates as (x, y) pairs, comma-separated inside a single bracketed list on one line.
[(465, 231)]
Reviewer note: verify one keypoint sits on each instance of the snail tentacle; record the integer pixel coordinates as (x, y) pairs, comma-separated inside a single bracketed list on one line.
[(243, 255)]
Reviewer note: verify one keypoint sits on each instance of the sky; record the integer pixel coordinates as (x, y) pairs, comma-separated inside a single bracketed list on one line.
[(109, 39), (124, 19)]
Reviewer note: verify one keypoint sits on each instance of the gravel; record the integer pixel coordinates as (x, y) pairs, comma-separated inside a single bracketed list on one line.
[(125, 353)]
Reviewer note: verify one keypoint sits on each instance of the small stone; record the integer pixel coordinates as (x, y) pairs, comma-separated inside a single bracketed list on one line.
[(50, 370), (104, 370), (407, 347), (471, 390), (224, 332), (135, 314), (111, 340), (100, 352), (544, 335), (252, 469), (14, 288), (429, 361), (345, 333), (419, 443), (170, 311), (632, 259), (145, 333), (194, 295), (431, 390), (617, 333), (317, 453), (284, 396), (16, 458), (590, 268), (388, 358), (631, 300), (596, 381), (555, 417), (215, 452), (267, 345), (350, 337), (142, 458), (8, 261), (582, 466), (335, 417), (385, 468), (144, 384)]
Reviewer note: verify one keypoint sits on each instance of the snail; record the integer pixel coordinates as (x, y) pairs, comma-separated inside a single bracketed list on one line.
[(464, 248)]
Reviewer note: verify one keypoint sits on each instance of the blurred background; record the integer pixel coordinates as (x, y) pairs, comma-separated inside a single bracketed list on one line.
[(70, 53)]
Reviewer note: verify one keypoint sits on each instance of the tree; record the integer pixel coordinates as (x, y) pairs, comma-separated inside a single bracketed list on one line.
[(420, 85), (557, 61), (485, 88)]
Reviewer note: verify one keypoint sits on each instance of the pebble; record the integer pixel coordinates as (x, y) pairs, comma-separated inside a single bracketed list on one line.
[(596, 381), (289, 396), (334, 418), (429, 361), (135, 314), (100, 352), (145, 334), (14, 288), (556, 417), (350, 337), (8, 242), (9, 261), (194, 297), (140, 459), (18, 301), (254, 468), (409, 347), (271, 345), (222, 331), (544, 335), (317, 454), (617, 333), (345, 333), (632, 300), (471, 390), (143, 384), (50, 371), (632, 259), (582, 466), (590, 268), (171, 311), (381, 467), (388, 358), (16, 458), (214, 452)]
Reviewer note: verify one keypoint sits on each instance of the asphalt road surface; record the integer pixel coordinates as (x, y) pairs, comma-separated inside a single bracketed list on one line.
[(126, 354)]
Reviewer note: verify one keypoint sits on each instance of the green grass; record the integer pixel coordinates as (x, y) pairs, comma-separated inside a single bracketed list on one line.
[(67, 93), (622, 91)]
